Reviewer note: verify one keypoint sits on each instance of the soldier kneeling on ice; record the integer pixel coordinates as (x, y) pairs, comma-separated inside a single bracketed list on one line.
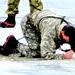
[(11, 44), (45, 32)]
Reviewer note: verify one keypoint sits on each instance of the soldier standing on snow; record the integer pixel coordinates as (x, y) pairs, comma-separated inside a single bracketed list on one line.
[(12, 11)]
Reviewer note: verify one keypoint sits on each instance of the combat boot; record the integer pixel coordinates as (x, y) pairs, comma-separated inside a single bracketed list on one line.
[(9, 22)]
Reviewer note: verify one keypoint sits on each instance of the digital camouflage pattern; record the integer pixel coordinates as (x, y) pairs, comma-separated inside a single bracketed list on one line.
[(13, 6), (41, 29), (42, 34)]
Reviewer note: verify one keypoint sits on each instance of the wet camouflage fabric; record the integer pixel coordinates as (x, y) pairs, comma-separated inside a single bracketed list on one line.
[(42, 34), (13, 6)]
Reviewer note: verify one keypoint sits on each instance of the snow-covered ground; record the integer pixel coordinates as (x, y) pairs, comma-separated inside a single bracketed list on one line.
[(51, 67), (24, 66)]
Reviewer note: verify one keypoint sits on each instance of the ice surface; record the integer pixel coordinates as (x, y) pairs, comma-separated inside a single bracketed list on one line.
[(37, 67), (24, 66)]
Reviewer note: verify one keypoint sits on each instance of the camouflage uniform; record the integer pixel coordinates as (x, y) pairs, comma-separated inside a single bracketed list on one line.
[(41, 29), (13, 6), (42, 32)]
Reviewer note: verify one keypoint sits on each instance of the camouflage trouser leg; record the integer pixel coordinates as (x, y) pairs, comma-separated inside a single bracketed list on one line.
[(12, 6), (33, 45), (23, 50), (35, 5)]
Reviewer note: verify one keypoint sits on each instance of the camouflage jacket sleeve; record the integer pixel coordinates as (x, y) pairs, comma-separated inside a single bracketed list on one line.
[(48, 49), (48, 44)]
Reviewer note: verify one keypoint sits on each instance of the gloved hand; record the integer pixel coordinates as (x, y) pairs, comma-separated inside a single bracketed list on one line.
[(58, 51), (63, 49)]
